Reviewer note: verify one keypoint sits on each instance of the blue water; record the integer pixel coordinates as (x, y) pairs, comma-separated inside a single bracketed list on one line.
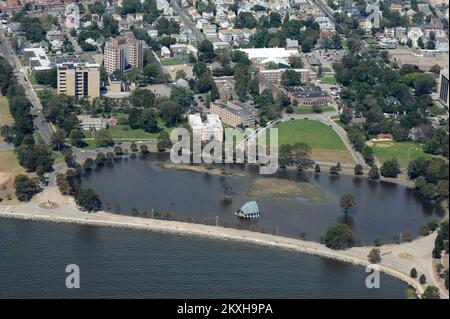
[(118, 263)]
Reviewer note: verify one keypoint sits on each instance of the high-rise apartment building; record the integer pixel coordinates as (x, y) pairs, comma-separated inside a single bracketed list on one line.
[(79, 79), (114, 55), (123, 53), (444, 87)]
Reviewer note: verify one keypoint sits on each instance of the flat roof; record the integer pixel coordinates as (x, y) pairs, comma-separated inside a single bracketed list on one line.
[(242, 110), (307, 91), (264, 53)]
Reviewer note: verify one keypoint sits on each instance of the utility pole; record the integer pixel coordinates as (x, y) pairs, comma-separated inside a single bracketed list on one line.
[(217, 221)]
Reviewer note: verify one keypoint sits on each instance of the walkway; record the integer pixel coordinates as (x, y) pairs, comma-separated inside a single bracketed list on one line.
[(397, 259)]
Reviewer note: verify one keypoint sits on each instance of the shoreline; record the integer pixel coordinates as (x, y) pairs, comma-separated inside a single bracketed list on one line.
[(104, 219)]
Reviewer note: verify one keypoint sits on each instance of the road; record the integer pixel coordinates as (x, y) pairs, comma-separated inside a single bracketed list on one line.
[(324, 118), (40, 122), (186, 21), (324, 8)]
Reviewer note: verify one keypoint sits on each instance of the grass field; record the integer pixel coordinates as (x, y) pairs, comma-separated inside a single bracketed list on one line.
[(171, 62), (122, 133), (326, 145), (9, 164), (337, 120), (404, 151), (329, 80), (5, 116), (309, 110)]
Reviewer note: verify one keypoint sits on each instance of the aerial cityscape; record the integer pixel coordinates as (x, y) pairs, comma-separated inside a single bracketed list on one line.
[(198, 149)]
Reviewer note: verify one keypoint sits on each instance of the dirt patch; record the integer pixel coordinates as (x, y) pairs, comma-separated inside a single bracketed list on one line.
[(5, 179), (280, 188), (48, 205), (406, 256), (201, 169), (332, 156), (384, 145)]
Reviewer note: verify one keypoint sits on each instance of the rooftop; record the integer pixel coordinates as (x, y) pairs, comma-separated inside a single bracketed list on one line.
[(310, 91), (264, 53), (237, 108)]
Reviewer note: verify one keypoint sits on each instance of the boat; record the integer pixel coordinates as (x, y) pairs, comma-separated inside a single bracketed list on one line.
[(249, 210)]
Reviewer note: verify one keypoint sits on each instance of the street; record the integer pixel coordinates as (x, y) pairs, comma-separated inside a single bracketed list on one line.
[(186, 21), (39, 120)]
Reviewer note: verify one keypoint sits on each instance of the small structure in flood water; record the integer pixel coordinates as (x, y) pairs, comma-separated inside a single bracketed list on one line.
[(248, 210)]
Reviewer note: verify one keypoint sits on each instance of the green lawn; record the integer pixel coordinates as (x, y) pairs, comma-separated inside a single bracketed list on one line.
[(123, 132), (326, 69), (5, 115), (309, 110), (315, 134), (32, 79), (329, 80), (403, 151), (437, 110), (171, 62)]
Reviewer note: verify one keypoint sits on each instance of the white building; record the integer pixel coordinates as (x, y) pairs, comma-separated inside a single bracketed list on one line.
[(415, 34), (38, 59), (211, 128), (265, 53)]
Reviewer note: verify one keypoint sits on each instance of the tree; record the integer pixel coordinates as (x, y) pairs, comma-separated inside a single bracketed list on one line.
[(88, 164), (206, 51), (317, 168), (413, 272), (118, 151), (58, 140), (374, 256), (100, 159), (347, 202), (390, 168), (291, 78), (436, 69), (89, 200), (245, 20), (378, 241), (301, 153), (407, 236), (150, 121), (142, 98), (103, 138), (334, 170), (296, 62), (26, 187), (31, 155), (69, 157), (164, 141), (143, 148), (359, 171), (46, 77), (431, 292), (422, 279), (339, 237), (77, 138)]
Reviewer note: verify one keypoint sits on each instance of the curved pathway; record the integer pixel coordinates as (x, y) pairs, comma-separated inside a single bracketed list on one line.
[(397, 259)]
